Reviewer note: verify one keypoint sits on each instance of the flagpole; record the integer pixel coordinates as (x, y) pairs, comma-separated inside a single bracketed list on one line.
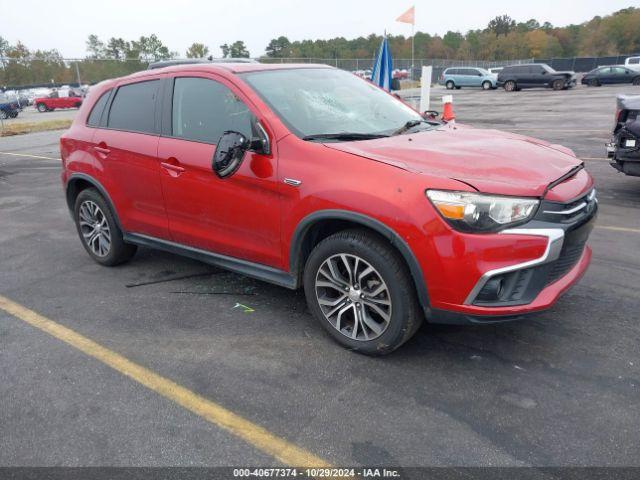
[(413, 36)]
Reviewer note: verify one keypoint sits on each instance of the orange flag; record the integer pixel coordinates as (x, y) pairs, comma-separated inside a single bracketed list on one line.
[(408, 17)]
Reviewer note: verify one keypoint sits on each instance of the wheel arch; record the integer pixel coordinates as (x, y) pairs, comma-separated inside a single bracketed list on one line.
[(319, 225), (78, 182)]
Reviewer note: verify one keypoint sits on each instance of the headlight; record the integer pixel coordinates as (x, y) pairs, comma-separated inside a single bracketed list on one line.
[(475, 212)]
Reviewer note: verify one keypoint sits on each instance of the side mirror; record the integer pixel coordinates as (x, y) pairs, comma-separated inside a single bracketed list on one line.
[(229, 153), (430, 115)]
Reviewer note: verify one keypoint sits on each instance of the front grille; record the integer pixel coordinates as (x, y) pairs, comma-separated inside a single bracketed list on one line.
[(568, 213), (569, 256)]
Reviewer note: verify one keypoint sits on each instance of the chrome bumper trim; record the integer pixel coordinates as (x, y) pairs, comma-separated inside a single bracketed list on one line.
[(555, 240)]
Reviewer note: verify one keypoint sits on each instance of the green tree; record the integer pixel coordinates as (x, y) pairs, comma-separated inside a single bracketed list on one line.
[(501, 25), (117, 49), (452, 40), (151, 48), (197, 50), (95, 47), (236, 50), (279, 47)]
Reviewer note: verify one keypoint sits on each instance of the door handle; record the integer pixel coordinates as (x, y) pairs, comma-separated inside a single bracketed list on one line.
[(172, 166), (102, 149)]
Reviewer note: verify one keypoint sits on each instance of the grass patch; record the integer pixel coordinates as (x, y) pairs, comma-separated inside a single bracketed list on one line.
[(20, 128)]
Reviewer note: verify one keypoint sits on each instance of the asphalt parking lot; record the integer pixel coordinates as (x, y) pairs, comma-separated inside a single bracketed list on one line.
[(30, 114), (561, 388)]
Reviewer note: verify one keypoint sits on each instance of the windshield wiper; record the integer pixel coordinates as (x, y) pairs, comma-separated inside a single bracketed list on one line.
[(409, 125), (344, 136)]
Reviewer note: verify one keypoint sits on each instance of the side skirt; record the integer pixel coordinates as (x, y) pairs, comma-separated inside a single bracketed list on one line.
[(250, 269)]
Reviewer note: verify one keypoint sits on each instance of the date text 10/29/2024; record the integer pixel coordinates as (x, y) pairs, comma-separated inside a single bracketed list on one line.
[(316, 472)]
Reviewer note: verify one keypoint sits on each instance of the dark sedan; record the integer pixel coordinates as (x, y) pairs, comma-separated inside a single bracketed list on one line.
[(611, 75)]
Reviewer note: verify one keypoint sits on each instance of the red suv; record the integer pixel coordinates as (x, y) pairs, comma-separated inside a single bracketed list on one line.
[(308, 176)]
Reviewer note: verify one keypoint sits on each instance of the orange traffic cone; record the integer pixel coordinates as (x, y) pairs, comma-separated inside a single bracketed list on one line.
[(447, 112)]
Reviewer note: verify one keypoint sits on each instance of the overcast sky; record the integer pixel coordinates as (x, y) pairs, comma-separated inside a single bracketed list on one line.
[(65, 25)]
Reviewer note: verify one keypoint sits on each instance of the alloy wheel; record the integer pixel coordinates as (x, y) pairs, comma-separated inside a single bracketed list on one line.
[(353, 297), (94, 228)]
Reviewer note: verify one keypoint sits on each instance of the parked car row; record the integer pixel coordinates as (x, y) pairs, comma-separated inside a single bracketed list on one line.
[(44, 99), (536, 75)]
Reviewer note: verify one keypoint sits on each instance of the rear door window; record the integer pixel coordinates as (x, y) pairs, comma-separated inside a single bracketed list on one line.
[(134, 107), (204, 109)]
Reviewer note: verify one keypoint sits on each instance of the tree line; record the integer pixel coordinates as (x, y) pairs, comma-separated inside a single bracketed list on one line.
[(502, 39)]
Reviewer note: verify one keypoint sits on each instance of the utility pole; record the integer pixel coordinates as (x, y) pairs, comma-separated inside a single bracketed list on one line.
[(78, 75), (413, 37)]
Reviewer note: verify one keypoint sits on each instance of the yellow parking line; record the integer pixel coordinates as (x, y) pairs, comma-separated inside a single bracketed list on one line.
[(28, 156), (619, 229), (565, 130), (255, 435)]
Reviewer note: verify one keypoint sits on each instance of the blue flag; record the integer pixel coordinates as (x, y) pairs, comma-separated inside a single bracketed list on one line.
[(381, 75)]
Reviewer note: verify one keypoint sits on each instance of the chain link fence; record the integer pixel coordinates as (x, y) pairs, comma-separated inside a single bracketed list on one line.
[(582, 64)]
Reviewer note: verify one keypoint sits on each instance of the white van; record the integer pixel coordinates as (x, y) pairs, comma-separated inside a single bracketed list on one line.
[(632, 62)]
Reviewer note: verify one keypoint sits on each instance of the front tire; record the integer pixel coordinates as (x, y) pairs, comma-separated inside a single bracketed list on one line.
[(98, 230), (594, 82), (636, 81), (3, 115), (359, 289), (450, 85), (557, 85)]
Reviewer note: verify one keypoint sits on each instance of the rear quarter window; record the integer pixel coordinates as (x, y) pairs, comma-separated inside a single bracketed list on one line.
[(134, 107), (98, 108)]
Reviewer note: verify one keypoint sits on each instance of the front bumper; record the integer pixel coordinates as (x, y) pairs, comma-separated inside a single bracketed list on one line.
[(535, 283)]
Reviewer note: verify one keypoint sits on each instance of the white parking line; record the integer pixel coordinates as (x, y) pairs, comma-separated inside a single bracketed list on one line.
[(619, 229), (28, 155)]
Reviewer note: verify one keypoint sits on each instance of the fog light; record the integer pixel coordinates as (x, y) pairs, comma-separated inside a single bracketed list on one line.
[(492, 290)]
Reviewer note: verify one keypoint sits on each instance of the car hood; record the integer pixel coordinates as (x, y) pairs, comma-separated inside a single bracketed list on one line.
[(565, 72), (491, 161)]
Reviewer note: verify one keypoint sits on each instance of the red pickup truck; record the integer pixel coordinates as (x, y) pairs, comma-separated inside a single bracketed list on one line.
[(48, 104)]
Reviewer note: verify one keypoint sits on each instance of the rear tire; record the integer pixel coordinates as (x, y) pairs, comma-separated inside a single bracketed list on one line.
[(364, 285), (450, 85), (486, 85), (98, 230), (3, 115), (42, 107), (636, 81), (510, 86)]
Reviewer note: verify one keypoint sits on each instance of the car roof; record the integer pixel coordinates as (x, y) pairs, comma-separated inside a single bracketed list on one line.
[(221, 68), (190, 61), (208, 67), (236, 67)]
